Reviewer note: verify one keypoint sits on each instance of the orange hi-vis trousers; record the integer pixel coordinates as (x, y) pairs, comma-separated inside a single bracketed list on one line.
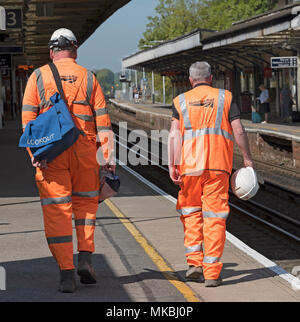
[(203, 206), (70, 185)]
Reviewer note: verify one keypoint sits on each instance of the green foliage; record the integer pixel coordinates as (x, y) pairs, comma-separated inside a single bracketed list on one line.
[(220, 14), (174, 18), (106, 78), (178, 17)]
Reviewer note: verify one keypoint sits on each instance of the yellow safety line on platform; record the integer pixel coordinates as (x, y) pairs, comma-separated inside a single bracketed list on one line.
[(168, 272)]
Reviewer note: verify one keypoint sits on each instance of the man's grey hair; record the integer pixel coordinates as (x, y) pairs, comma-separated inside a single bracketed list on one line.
[(200, 71)]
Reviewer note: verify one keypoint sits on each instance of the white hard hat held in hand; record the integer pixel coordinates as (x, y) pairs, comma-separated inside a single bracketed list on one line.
[(244, 183)]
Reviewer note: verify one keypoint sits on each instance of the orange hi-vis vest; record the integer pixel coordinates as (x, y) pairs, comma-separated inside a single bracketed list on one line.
[(207, 139), (83, 93)]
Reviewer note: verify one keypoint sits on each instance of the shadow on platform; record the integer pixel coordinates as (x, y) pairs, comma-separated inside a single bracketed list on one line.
[(37, 280)]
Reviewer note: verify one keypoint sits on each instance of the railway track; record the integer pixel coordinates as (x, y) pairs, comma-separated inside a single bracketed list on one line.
[(269, 223), (284, 178)]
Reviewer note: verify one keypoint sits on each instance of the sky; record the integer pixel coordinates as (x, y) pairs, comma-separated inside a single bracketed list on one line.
[(117, 37)]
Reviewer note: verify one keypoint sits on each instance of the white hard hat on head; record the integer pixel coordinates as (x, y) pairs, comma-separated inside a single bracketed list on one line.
[(62, 38), (244, 183)]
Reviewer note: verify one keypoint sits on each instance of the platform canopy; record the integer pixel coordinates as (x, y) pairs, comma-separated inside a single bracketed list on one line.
[(249, 42), (32, 30)]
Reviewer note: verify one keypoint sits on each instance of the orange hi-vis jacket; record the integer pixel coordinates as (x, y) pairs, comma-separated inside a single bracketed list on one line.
[(83, 93), (207, 139)]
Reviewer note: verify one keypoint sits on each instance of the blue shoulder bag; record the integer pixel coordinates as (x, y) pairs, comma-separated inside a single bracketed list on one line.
[(52, 132)]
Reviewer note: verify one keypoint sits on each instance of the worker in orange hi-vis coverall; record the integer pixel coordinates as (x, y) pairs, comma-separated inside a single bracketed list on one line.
[(70, 183), (205, 122)]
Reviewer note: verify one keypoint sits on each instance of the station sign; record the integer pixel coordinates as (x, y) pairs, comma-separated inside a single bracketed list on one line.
[(13, 18), (5, 61), (284, 62)]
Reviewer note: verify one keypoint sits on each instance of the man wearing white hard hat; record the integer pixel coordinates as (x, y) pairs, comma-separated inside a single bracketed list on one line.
[(70, 183)]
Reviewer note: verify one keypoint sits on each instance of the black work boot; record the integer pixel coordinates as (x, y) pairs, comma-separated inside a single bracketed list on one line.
[(213, 283), (85, 269), (195, 274), (67, 281)]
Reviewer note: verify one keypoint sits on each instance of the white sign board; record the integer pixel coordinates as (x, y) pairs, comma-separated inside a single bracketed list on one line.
[(284, 62), (2, 19)]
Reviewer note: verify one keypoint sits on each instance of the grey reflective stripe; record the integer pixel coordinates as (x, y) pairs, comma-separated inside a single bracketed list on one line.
[(191, 249), (190, 134), (185, 112), (86, 194), (187, 211), (210, 260), (89, 91), (85, 222), (40, 86), (46, 104), (211, 214), (221, 101), (29, 108), (55, 201), (41, 90), (81, 102), (101, 111), (89, 87), (59, 239), (103, 128), (84, 117)]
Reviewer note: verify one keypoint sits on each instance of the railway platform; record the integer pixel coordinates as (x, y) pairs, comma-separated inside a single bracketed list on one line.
[(273, 142), (139, 247), (285, 130)]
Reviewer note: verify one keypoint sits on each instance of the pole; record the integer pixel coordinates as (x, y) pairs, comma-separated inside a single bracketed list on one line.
[(153, 92), (164, 89), (296, 92), (1, 103), (14, 92), (130, 92), (297, 84), (143, 84), (136, 80), (277, 94)]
